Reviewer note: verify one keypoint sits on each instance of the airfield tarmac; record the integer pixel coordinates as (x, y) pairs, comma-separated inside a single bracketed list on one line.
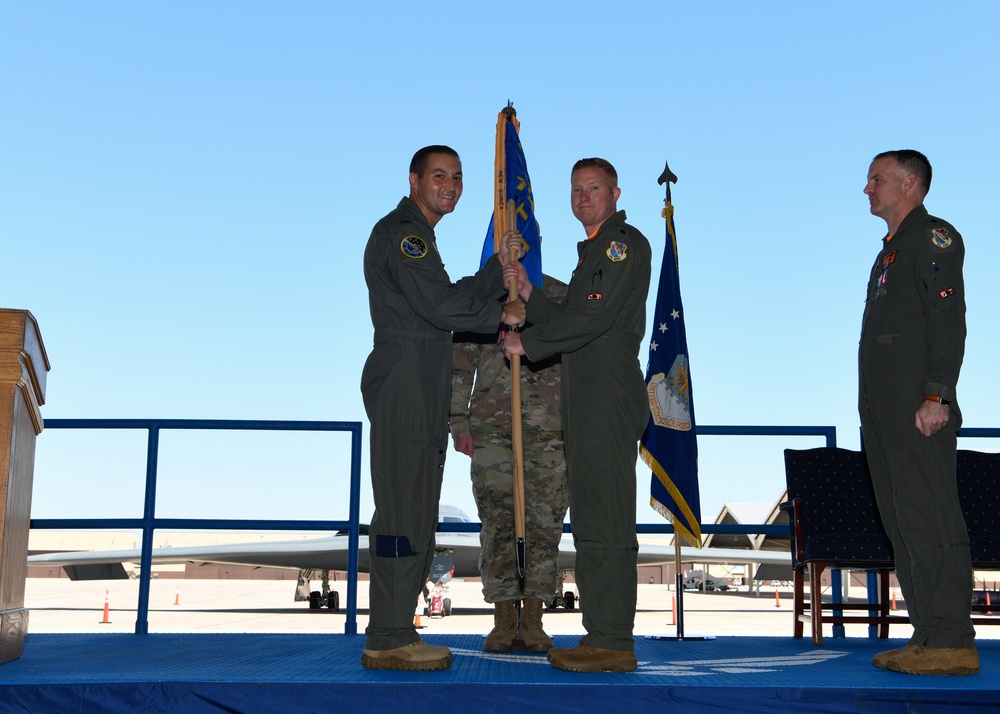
[(62, 606)]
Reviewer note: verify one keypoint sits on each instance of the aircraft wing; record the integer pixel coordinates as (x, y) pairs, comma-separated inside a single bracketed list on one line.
[(658, 555), (330, 553)]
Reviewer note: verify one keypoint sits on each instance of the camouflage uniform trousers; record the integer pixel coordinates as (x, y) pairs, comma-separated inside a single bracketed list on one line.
[(546, 500)]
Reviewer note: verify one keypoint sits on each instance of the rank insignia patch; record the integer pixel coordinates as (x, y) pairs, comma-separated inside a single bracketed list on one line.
[(947, 292), (940, 237), (617, 251), (413, 247)]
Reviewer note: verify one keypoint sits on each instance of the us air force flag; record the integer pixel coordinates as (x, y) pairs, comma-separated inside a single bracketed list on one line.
[(669, 446), (512, 182)]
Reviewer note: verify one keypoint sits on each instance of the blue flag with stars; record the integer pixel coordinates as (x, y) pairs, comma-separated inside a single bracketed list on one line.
[(517, 185), (669, 445)]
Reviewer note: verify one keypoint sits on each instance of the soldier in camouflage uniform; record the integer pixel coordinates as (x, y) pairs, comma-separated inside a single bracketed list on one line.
[(481, 428)]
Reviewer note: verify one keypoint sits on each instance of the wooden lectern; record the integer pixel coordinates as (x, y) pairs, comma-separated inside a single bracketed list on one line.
[(23, 368)]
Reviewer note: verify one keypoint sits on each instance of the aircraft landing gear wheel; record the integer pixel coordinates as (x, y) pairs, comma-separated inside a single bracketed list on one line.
[(333, 602), (315, 600), (569, 600), (447, 606)]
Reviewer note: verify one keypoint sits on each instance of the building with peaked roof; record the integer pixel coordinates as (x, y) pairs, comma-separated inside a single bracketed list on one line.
[(747, 514)]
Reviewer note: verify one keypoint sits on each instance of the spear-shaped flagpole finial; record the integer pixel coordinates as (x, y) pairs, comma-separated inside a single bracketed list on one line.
[(667, 177)]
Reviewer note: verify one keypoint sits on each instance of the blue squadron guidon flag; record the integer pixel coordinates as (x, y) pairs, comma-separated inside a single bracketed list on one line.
[(512, 183)]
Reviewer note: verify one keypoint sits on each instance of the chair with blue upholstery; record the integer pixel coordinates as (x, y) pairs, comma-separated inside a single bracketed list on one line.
[(835, 524), (979, 493)]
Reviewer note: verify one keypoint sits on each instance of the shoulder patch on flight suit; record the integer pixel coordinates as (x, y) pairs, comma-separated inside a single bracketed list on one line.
[(940, 237), (413, 247), (617, 251)]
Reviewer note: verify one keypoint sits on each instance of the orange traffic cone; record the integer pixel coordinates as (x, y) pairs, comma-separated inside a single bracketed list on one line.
[(673, 610), (777, 599), (893, 599), (177, 596), (105, 621), (988, 602)]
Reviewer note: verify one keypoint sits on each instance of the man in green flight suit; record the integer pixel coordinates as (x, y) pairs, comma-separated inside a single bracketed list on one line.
[(406, 386), (598, 329), (910, 354)]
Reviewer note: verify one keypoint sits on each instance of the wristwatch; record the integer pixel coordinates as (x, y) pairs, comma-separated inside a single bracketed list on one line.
[(936, 398)]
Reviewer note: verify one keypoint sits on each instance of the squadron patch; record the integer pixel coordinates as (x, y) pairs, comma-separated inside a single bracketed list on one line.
[(617, 251), (940, 237), (413, 247), (889, 259)]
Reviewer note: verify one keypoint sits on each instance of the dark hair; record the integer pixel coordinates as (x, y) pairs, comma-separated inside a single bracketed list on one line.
[(913, 162), (419, 161), (596, 163)]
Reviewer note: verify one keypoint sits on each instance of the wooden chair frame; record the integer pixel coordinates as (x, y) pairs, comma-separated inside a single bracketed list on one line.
[(815, 612)]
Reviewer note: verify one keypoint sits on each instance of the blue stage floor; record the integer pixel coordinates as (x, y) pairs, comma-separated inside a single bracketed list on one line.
[(322, 673)]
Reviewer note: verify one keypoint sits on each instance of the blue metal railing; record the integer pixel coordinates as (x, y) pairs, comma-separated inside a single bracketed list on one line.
[(149, 522), (979, 432)]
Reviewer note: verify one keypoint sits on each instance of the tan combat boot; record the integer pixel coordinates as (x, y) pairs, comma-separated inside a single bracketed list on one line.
[(533, 636), (504, 633), (415, 657), (943, 661), (585, 658)]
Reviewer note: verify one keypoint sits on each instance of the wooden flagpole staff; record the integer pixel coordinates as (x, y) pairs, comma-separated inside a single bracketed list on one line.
[(515, 415)]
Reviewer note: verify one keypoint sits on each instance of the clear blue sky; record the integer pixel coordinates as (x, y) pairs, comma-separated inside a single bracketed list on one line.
[(186, 189)]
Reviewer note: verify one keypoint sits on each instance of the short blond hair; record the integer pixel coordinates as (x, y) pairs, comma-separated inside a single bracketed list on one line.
[(596, 163)]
